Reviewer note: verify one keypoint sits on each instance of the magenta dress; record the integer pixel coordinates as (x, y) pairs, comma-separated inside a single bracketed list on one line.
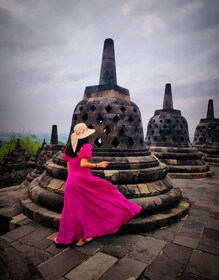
[(92, 206)]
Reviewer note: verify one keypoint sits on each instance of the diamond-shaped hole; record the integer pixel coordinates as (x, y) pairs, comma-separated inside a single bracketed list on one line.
[(81, 108), (123, 109), (84, 117), (121, 132), (99, 118), (130, 119), (98, 141), (116, 118), (108, 108), (107, 129), (130, 141), (115, 142), (135, 110), (92, 108)]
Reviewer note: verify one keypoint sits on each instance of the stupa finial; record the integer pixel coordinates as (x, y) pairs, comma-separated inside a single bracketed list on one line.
[(168, 100), (54, 135), (108, 65), (210, 111)]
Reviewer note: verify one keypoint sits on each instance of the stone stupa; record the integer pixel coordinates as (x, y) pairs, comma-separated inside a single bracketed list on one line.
[(206, 137), (45, 152), (15, 166), (119, 139), (168, 139)]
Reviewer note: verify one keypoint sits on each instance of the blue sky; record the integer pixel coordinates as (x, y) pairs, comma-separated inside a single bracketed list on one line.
[(51, 50)]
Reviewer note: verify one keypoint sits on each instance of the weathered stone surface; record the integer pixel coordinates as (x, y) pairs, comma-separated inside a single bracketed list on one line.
[(20, 232), (35, 255), (125, 268), (177, 253), (115, 251), (186, 241), (46, 152), (172, 258), (147, 249), (163, 268), (93, 268), (206, 138), (168, 139), (203, 264), (15, 166), (52, 270)]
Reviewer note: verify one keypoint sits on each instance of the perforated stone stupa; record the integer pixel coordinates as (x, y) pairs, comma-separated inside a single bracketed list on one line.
[(119, 139), (206, 137), (168, 139)]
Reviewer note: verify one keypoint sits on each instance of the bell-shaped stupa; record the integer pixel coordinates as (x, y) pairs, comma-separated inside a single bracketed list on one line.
[(168, 139), (140, 176), (206, 137)]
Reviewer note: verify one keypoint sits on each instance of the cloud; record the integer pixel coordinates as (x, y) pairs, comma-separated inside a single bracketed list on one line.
[(51, 51)]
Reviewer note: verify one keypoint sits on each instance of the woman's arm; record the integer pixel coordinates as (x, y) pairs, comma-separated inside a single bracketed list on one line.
[(86, 164)]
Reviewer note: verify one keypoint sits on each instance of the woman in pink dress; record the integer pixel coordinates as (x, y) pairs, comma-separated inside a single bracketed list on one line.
[(92, 206)]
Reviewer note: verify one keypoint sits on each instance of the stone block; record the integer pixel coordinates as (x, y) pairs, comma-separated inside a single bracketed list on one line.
[(20, 232), (147, 249), (34, 255), (68, 258), (93, 268), (126, 268), (186, 241), (163, 268), (115, 251), (203, 264)]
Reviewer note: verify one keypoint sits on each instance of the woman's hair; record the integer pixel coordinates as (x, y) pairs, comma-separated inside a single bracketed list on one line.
[(69, 151)]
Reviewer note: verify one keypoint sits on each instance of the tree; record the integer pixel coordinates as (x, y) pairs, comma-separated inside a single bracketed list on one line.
[(30, 143)]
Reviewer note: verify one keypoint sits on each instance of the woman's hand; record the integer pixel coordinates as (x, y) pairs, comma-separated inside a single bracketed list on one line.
[(85, 163), (102, 164)]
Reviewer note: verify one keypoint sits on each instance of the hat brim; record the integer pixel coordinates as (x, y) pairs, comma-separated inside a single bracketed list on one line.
[(86, 133)]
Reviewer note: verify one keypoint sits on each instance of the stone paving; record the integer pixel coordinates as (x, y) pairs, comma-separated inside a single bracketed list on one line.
[(186, 250)]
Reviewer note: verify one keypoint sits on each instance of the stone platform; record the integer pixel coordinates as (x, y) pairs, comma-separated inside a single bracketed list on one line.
[(188, 249)]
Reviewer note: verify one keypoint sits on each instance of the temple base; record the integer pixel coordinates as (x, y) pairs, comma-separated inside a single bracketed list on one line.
[(51, 219)]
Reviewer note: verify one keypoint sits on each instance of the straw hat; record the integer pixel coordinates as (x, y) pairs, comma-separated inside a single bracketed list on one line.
[(80, 131)]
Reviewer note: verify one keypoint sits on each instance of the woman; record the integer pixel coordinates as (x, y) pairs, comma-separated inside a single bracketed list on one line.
[(92, 206)]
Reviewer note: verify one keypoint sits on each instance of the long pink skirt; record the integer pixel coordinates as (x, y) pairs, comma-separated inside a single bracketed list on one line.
[(92, 207)]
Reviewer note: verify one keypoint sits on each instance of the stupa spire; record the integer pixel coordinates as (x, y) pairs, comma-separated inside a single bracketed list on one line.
[(108, 64), (210, 111), (168, 100), (54, 135)]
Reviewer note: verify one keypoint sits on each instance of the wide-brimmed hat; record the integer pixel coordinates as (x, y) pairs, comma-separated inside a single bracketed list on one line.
[(80, 131)]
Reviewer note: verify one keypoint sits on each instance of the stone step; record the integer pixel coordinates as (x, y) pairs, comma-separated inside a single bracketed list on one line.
[(51, 219), (195, 175), (157, 220), (152, 197)]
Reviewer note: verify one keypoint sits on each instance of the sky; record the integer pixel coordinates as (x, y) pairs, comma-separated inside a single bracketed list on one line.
[(51, 50)]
